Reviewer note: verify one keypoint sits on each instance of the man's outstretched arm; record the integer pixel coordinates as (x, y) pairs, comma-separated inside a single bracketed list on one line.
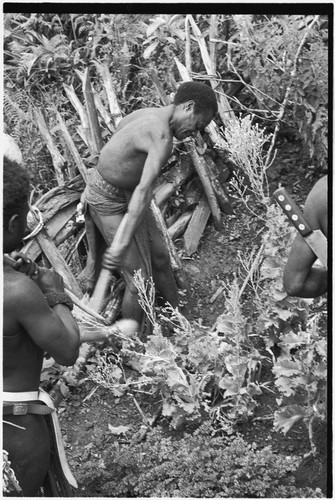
[(301, 279)]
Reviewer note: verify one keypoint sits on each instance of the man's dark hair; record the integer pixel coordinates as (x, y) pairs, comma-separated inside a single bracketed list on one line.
[(15, 189), (202, 95)]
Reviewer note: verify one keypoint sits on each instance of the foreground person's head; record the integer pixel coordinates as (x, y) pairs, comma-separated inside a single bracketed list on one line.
[(15, 204)]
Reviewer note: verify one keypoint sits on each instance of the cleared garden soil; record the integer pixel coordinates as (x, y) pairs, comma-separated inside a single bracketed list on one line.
[(89, 411)]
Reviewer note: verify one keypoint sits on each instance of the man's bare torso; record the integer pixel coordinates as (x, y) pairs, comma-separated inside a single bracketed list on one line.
[(23, 359), (122, 158)]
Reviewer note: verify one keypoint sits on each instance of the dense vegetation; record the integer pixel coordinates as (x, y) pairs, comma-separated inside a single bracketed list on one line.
[(274, 72), (273, 68)]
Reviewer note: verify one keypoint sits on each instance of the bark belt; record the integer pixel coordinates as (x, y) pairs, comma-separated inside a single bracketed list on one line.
[(23, 408)]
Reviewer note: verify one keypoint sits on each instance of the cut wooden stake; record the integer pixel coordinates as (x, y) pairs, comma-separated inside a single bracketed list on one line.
[(176, 264), (57, 261), (72, 147), (219, 191), (196, 226), (78, 106), (175, 261), (178, 227), (188, 57), (172, 180), (213, 36), (57, 159), (109, 88), (225, 111), (92, 113), (104, 112)]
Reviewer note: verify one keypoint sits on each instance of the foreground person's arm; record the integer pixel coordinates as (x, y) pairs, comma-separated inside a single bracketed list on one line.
[(301, 279), (40, 310)]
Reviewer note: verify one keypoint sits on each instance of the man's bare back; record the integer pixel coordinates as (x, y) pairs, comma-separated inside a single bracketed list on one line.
[(122, 159)]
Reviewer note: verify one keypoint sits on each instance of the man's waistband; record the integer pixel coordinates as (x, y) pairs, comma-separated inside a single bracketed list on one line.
[(16, 403), (13, 397)]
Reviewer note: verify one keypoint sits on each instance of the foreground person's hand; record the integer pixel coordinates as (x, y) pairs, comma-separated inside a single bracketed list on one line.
[(25, 265)]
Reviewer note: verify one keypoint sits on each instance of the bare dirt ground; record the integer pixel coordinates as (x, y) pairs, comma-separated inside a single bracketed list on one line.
[(86, 415)]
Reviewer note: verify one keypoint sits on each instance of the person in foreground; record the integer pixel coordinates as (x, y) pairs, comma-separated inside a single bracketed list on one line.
[(36, 319), (301, 279), (120, 189)]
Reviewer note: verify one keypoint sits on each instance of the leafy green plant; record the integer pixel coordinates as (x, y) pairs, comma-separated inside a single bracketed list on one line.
[(199, 370), (200, 465), (301, 376)]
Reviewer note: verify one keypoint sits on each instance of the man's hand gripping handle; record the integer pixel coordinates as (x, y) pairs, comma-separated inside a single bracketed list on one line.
[(108, 264)]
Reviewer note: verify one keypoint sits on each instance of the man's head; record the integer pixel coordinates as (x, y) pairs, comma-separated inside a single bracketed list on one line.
[(195, 106), (15, 203)]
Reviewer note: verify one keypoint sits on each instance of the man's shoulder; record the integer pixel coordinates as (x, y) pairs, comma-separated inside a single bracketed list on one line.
[(153, 119), (18, 285), (318, 195), (316, 205)]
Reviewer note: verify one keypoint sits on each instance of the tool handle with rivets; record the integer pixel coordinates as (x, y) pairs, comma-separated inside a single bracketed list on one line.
[(292, 212)]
